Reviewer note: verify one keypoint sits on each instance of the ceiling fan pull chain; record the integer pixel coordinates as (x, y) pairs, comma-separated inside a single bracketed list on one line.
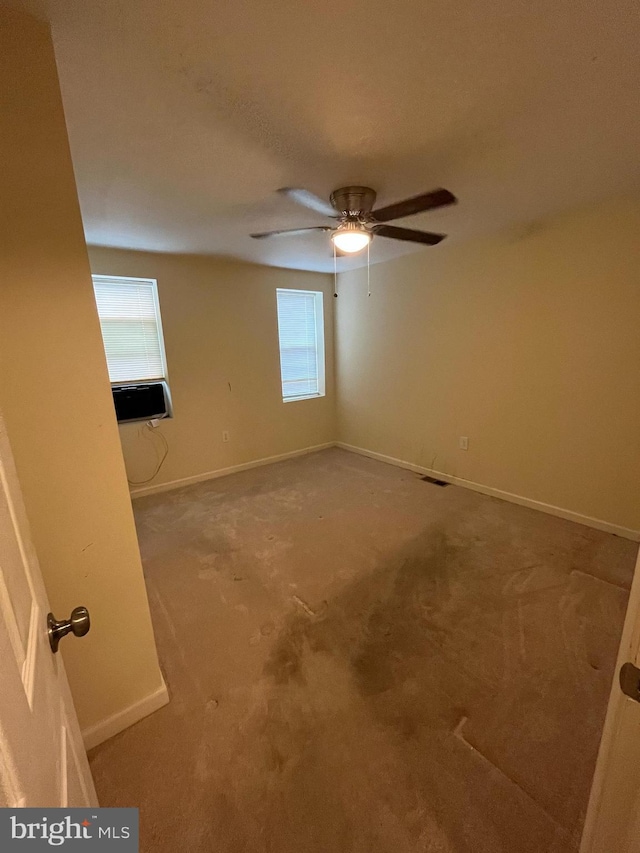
[(335, 271), (368, 270)]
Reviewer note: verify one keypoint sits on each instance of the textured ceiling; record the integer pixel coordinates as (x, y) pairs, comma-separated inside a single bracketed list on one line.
[(185, 116)]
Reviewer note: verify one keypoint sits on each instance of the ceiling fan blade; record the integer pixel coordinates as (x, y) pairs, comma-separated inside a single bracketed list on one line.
[(417, 204), (308, 199), (425, 237), (291, 232)]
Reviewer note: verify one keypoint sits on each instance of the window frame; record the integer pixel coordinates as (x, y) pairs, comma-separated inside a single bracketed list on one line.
[(319, 343), (156, 303)]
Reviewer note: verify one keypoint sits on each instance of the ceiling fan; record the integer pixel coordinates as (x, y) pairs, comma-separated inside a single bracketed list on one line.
[(357, 222)]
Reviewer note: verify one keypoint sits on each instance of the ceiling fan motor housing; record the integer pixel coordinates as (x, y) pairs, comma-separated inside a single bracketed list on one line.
[(353, 201)]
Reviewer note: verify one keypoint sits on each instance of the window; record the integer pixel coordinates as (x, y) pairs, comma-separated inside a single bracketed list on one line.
[(301, 334), (131, 328)]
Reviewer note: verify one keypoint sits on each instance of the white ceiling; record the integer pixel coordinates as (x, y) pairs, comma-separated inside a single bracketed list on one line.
[(185, 116)]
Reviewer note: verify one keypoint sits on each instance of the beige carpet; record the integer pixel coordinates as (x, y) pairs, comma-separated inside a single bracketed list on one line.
[(363, 662)]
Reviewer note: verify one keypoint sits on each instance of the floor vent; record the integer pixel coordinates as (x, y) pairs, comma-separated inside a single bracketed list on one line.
[(435, 482)]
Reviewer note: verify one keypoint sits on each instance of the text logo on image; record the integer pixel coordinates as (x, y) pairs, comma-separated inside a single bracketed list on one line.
[(105, 830)]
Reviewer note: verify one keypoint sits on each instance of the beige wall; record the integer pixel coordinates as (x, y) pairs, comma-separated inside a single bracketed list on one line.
[(54, 391), (528, 344), (221, 338)]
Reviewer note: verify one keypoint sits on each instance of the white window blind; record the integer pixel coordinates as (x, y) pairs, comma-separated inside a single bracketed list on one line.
[(301, 334), (131, 329)]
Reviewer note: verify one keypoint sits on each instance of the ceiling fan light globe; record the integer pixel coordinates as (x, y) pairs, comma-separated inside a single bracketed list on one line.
[(352, 240)]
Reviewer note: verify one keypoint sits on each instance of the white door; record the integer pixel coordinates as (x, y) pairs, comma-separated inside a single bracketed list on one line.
[(42, 758), (613, 816)]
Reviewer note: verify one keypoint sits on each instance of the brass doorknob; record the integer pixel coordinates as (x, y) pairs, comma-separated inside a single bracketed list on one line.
[(77, 624)]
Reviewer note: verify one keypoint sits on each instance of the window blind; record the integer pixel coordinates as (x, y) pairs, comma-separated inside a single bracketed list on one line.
[(299, 316), (130, 321)]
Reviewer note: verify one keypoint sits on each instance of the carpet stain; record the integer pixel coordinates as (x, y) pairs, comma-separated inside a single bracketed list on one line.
[(425, 673)]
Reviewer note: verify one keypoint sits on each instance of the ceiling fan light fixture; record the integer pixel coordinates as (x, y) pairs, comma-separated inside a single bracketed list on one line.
[(351, 237)]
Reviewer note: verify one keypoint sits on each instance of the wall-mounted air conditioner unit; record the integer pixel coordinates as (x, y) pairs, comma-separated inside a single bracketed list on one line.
[(141, 402)]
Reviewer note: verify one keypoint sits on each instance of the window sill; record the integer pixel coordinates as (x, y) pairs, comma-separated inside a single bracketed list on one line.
[(305, 397), (133, 383)]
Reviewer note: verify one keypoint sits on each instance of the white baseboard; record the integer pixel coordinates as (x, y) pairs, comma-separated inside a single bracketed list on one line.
[(570, 515), (224, 472), (123, 719)]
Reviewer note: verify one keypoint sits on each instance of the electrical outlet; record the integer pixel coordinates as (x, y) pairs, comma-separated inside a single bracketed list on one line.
[(225, 435), (464, 442)]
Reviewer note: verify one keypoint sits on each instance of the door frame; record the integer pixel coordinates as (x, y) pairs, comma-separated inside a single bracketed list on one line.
[(610, 824)]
